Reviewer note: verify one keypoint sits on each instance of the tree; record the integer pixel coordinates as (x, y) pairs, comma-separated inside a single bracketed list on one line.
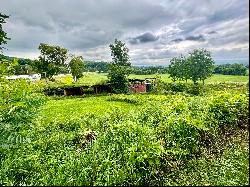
[(76, 67), (3, 35), (201, 65), (120, 67), (7, 67), (178, 68), (51, 60)]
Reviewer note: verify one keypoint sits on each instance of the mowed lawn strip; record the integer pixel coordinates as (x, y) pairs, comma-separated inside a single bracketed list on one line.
[(66, 108)]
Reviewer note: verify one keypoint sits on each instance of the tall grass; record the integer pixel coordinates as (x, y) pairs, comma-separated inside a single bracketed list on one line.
[(140, 139)]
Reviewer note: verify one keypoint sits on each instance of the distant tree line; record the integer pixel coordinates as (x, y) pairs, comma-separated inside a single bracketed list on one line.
[(21, 67), (231, 69), (25, 66), (149, 70), (103, 67), (93, 66)]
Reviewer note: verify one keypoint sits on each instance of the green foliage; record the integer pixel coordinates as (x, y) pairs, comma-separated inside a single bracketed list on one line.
[(92, 66), (3, 35), (18, 101), (22, 67), (231, 69), (7, 67), (119, 68), (199, 65), (125, 139), (51, 60), (76, 65), (148, 70), (228, 110), (178, 68), (18, 107)]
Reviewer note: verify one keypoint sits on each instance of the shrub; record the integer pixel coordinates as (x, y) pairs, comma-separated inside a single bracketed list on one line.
[(18, 106)]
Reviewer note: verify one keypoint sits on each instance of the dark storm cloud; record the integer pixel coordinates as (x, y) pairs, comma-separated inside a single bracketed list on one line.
[(212, 32), (178, 40), (144, 38), (159, 27), (199, 38), (196, 38)]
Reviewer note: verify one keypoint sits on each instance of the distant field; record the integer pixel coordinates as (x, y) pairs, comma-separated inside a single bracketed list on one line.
[(214, 78), (91, 78)]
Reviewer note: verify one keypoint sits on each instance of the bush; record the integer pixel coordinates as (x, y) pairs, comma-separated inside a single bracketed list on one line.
[(18, 106)]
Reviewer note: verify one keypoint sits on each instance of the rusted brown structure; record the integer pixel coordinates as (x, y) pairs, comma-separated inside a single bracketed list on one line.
[(102, 88), (73, 91), (76, 90), (136, 86), (140, 85)]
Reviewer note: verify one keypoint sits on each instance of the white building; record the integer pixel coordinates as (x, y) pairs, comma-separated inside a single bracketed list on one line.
[(32, 77)]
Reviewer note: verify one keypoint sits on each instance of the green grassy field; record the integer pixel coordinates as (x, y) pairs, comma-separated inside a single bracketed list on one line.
[(63, 109), (131, 139), (91, 78)]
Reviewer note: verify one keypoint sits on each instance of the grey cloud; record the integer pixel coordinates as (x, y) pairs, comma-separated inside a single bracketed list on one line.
[(89, 25), (196, 38), (212, 32), (177, 40), (199, 38), (144, 38)]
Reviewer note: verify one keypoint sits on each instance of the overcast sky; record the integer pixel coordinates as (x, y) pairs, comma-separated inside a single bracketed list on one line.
[(153, 30)]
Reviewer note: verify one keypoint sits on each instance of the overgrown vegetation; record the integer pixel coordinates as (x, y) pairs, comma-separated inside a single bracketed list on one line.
[(138, 139)]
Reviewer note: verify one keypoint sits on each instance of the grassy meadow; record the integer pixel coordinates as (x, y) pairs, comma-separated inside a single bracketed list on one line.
[(165, 137), (91, 78)]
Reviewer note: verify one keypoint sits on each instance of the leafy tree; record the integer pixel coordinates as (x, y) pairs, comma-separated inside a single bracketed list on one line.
[(120, 67), (201, 65), (178, 68), (173, 69), (51, 60), (7, 67), (76, 67), (3, 35)]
